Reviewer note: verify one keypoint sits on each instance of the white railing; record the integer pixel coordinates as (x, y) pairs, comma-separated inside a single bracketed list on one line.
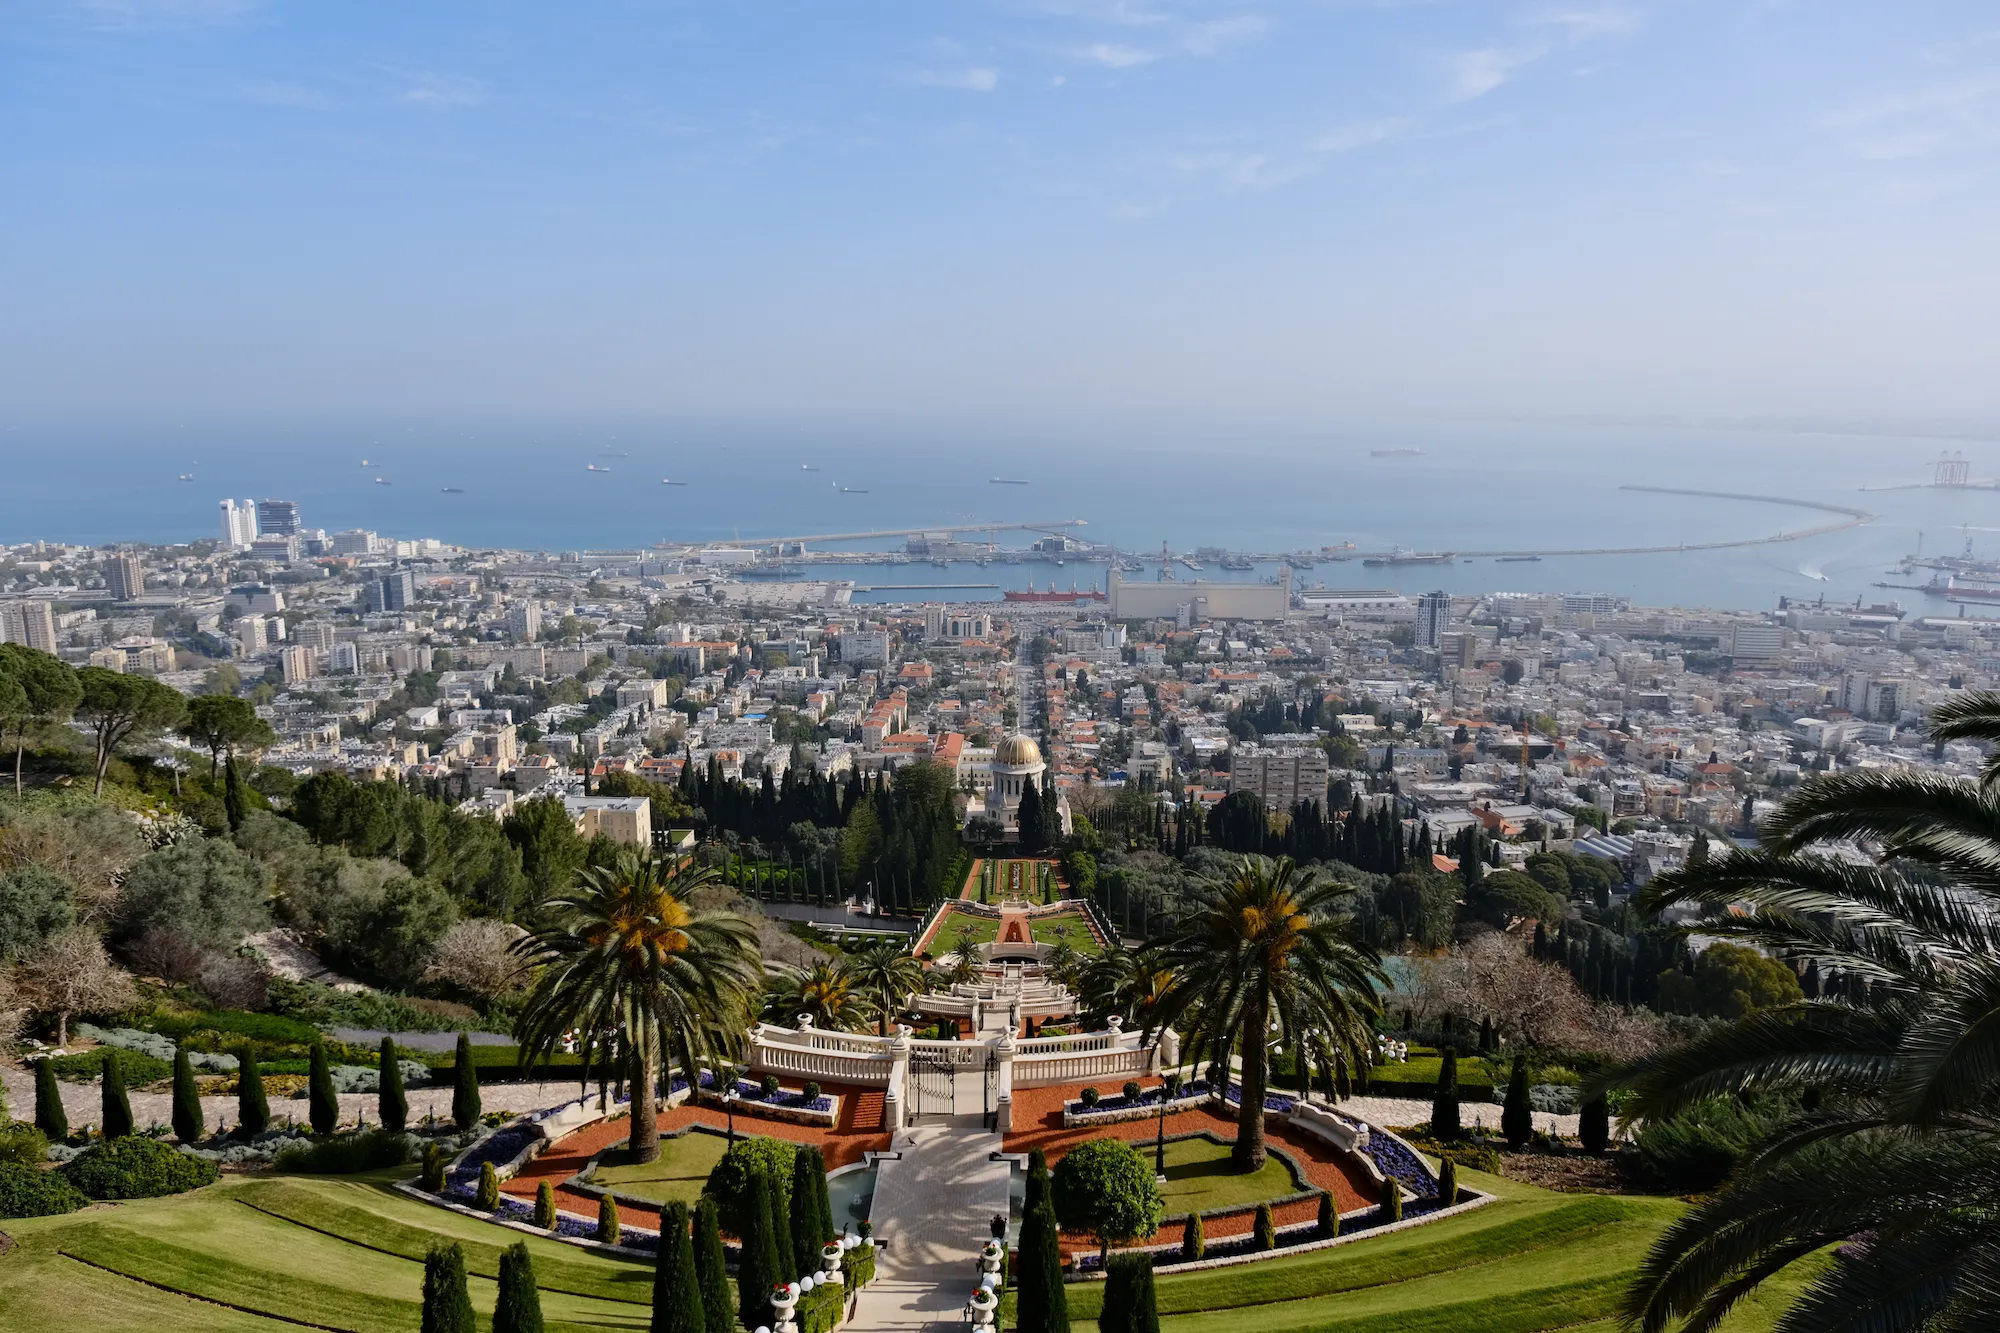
[(1092, 1068), (834, 1066), (1088, 1041), (963, 1054)]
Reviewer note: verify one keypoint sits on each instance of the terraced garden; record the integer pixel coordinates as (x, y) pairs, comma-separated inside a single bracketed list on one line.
[(677, 1174), (260, 1254)]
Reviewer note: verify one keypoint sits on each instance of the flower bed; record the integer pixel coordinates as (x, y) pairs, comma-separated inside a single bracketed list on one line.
[(1396, 1160), (784, 1104)]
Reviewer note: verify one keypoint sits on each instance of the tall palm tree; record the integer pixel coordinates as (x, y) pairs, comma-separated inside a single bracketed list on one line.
[(625, 952), (886, 976), (825, 991), (1271, 947), (1899, 1064), (1123, 981)]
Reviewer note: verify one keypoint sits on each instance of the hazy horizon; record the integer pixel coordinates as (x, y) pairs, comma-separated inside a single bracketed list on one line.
[(1066, 210)]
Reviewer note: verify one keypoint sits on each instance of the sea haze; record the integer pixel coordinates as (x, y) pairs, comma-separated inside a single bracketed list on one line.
[(1481, 485)]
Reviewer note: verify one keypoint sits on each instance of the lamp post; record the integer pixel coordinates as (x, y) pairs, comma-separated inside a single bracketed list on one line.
[(1170, 1085), (729, 1104)]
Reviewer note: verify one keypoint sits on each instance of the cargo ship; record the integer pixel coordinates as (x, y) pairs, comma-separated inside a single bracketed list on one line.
[(1402, 557), (1953, 591), (1073, 595)]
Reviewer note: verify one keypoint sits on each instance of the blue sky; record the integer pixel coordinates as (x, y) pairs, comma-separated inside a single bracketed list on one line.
[(1290, 211)]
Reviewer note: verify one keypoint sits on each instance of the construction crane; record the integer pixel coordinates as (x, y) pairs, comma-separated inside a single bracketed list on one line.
[(1166, 564)]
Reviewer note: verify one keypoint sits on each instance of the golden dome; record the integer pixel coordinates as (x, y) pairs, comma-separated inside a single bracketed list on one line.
[(1017, 750)]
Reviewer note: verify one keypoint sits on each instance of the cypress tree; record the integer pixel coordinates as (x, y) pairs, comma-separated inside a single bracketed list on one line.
[(447, 1305), (1142, 1311), (1447, 1183), (1264, 1234), (1392, 1200), (50, 1117), (188, 1123), (677, 1296), (1116, 1312), (1444, 1101), (1329, 1217), (809, 1232), (488, 1195), (756, 1269), (433, 1168), (1043, 1305), (465, 1095), (322, 1103), (609, 1229), (1193, 1243), (545, 1206), (781, 1232), (392, 1107), (253, 1113), (1517, 1120), (1594, 1125), (117, 1106), (1486, 1029), (519, 1309), (232, 795), (1038, 1181), (710, 1265)]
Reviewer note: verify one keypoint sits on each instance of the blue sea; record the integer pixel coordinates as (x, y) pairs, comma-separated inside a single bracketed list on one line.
[(1473, 485)]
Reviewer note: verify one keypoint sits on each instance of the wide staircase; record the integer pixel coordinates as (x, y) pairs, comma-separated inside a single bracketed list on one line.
[(932, 1206)]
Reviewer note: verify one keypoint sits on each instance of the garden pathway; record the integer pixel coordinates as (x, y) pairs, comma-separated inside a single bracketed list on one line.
[(932, 1205)]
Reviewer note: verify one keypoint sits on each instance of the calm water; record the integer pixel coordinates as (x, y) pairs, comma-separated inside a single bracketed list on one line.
[(1475, 485)]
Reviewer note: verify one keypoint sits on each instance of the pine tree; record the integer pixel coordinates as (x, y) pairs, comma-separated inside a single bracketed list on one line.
[(545, 1206), (50, 1117), (447, 1305), (709, 1264), (519, 1309), (677, 1294), (1444, 1101), (392, 1106), (757, 1268), (465, 1093), (1193, 1243), (1329, 1217), (117, 1107), (1043, 1304), (1517, 1116), (609, 1230), (253, 1112), (323, 1105), (187, 1100), (1264, 1234), (1593, 1126)]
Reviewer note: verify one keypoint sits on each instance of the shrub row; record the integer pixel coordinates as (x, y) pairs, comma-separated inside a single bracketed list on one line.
[(136, 1168)]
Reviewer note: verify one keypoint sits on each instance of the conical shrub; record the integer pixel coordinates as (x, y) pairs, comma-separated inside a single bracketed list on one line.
[(465, 1090), (253, 1113), (50, 1117), (322, 1103), (711, 1266), (519, 1309), (608, 1229), (392, 1105), (447, 1305), (1329, 1217), (1264, 1233), (117, 1106), (1593, 1126), (1392, 1200), (545, 1206), (188, 1120), (677, 1296), (1043, 1304), (488, 1195), (1193, 1243), (1444, 1099), (1517, 1119), (1447, 1183)]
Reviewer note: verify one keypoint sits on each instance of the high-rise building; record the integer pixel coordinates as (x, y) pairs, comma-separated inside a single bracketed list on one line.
[(31, 624), (239, 523), (394, 591), (355, 541), (278, 518), (281, 549), (1281, 776), (524, 621), (251, 635), (1433, 613), (124, 576), (298, 663)]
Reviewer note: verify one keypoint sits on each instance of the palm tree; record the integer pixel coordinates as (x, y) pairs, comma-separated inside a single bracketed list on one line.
[(1123, 981), (825, 991), (1269, 947), (624, 952), (886, 975), (1063, 963), (1898, 1066)]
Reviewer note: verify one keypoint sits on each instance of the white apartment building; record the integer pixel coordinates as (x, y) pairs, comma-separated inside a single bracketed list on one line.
[(1281, 775)]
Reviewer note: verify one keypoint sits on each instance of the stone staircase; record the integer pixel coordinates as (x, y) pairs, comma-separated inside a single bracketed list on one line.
[(931, 1210)]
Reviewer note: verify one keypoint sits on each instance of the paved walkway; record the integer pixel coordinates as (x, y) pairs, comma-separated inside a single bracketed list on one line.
[(932, 1206)]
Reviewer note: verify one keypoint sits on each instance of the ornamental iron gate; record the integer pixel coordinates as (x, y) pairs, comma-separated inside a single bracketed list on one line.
[(933, 1083), (989, 1098)]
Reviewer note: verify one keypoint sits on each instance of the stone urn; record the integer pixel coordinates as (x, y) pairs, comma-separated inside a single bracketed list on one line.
[(829, 1258), (983, 1304), (784, 1300), (991, 1257)]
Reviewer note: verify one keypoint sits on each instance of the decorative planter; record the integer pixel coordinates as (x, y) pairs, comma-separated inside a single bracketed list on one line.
[(784, 1300), (829, 1258), (983, 1304), (990, 1257)]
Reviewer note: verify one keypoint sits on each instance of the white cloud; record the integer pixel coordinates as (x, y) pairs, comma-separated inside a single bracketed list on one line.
[(1362, 134), (428, 88), (1117, 57), (1474, 74), (1205, 39), (1584, 22), (966, 80)]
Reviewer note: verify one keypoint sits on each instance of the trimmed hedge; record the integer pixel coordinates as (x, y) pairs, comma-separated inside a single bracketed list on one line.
[(820, 1309), (138, 1068), (347, 1154), (27, 1191), (858, 1268), (136, 1168)]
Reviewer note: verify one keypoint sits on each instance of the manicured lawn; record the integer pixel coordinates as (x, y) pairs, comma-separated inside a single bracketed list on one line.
[(1075, 931), (984, 929), (679, 1173), (266, 1254), (1200, 1179)]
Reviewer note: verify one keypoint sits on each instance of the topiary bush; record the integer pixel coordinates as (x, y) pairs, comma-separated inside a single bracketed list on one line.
[(1447, 1183), (138, 1068), (811, 1091), (434, 1164), (609, 1229), (1329, 1218), (488, 1196), (1193, 1243), (1107, 1187), (1089, 1097), (29, 1191), (347, 1154), (729, 1180), (1131, 1090), (136, 1168), (545, 1206), (1264, 1234)]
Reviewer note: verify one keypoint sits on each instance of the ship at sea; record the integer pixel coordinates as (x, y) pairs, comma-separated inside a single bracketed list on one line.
[(1517, 559), (1396, 453), (1401, 557), (1005, 481), (1954, 591), (1073, 595)]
